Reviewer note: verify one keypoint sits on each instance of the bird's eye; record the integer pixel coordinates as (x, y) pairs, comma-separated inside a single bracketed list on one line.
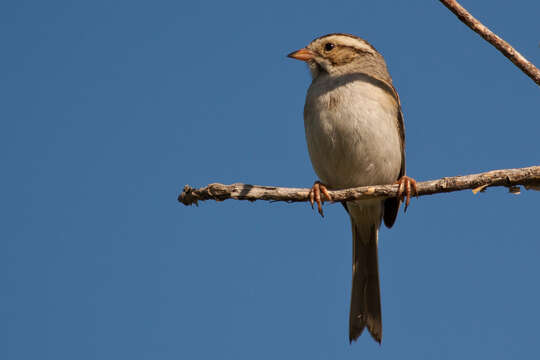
[(328, 46)]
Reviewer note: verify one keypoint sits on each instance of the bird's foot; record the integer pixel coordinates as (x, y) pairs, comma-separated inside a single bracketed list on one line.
[(315, 195), (407, 186)]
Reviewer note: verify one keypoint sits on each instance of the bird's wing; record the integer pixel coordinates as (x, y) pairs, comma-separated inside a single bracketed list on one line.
[(391, 205)]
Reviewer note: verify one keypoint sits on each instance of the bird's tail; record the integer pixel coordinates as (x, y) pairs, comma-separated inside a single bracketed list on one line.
[(365, 294)]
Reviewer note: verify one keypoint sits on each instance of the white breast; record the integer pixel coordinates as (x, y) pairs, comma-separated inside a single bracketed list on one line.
[(352, 132)]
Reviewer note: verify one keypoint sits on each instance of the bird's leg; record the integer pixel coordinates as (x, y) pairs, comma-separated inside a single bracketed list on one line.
[(407, 186), (315, 195)]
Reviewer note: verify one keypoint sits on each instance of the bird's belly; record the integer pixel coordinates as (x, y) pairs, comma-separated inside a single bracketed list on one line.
[(356, 142)]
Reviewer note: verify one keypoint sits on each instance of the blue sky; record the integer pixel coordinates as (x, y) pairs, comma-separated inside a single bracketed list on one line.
[(110, 107)]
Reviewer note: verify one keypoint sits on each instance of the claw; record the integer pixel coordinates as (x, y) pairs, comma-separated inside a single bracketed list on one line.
[(325, 192), (315, 196), (317, 192), (400, 189), (407, 186), (414, 188)]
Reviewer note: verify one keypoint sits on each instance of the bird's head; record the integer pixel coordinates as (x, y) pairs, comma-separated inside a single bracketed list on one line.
[(339, 54)]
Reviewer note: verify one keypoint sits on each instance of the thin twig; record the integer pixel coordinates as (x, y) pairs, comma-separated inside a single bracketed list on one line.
[(529, 176), (505, 48)]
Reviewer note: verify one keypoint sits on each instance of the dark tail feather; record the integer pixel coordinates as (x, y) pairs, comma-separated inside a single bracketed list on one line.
[(365, 295)]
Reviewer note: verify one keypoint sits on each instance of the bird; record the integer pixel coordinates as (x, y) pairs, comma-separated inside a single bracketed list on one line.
[(355, 136)]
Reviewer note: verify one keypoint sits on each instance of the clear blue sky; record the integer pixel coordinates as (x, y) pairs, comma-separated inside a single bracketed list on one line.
[(108, 108)]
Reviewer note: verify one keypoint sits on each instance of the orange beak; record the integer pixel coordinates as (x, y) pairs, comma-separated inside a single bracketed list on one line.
[(302, 54)]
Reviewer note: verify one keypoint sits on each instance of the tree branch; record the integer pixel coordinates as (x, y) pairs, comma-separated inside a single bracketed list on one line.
[(529, 177), (505, 48)]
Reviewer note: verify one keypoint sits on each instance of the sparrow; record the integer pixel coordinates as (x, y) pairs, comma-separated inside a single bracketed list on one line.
[(356, 137)]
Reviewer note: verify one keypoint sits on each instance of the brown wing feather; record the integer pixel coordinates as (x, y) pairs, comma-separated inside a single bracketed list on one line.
[(391, 205)]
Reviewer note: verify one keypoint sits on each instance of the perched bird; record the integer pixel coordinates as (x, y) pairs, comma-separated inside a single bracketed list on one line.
[(356, 137)]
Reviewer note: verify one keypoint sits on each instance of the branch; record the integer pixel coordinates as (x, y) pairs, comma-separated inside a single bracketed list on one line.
[(505, 48), (529, 176)]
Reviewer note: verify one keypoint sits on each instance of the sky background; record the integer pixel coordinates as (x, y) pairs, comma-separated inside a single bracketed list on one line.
[(108, 108)]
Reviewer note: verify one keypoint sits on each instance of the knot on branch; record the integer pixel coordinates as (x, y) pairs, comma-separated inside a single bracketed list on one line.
[(188, 197)]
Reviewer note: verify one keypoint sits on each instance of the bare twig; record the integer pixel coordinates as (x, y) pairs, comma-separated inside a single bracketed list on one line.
[(530, 177), (505, 48)]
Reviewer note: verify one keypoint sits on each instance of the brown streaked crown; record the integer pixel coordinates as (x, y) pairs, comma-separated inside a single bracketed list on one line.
[(359, 39)]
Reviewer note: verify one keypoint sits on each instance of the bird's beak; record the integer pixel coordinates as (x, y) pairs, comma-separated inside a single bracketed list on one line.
[(302, 54)]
